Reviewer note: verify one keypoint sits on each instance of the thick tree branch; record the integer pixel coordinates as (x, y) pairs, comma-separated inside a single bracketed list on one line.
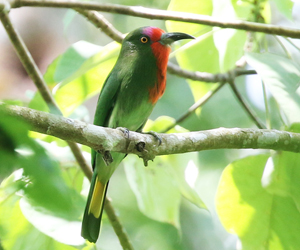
[(146, 146), (162, 15)]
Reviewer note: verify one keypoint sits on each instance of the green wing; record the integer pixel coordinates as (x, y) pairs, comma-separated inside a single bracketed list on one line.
[(106, 102)]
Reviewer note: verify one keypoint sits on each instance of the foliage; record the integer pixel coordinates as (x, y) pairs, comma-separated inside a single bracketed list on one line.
[(205, 200)]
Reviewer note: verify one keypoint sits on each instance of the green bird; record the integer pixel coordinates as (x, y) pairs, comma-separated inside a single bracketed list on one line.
[(127, 98)]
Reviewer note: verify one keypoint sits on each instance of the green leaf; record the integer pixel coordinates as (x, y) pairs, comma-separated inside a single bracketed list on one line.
[(185, 173), (285, 7), (70, 61), (230, 43), (203, 7), (156, 191), (87, 80), (80, 72), (16, 232), (162, 123), (200, 55), (282, 77), (42, 180), (61, 230), (189, 58), (282, 172), (159, 186), (261, 219)]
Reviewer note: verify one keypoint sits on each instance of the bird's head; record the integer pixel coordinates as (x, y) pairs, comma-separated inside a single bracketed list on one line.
[(152, 40)]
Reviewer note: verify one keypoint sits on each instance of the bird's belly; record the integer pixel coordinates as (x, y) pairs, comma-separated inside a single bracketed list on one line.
[(131, 115)]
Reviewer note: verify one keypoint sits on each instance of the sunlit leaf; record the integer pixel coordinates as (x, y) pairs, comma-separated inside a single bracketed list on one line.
[(258, 217), (230, 43), (203, 7), (156, 191), (282, 77), (17, 233), (162, 123), (62, 230), (42, 180), (200, 55), (87, 80), (285, 7)]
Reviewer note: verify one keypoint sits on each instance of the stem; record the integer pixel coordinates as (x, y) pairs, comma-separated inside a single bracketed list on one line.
[(117, 226), (100, 22), (268, 115), (208, 77), (162, 15), (247, 108), (192, 109)]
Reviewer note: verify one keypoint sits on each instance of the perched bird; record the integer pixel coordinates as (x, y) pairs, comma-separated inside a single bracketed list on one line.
[(127, 98)]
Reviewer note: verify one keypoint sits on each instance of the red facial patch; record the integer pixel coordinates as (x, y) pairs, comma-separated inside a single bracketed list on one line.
[(161, 53)]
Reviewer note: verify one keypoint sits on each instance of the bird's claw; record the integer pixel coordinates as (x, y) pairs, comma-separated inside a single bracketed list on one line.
[(155, 135), (125, 131)]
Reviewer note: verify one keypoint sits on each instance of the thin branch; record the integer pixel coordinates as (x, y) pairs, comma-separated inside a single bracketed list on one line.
[(208, 77), (103, 138), (100, 22), (162, 15), (247, 108), (195, 106), (117, 226), (33, 71)]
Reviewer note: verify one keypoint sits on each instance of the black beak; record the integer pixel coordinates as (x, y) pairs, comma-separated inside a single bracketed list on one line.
[(169, 38)]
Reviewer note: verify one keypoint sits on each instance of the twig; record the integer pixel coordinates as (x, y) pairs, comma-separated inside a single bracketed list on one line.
[(247, 108), (196, 105), (117, 226), (100, 22), (33, 71), (162, 15), (114, 140), (208, 77)]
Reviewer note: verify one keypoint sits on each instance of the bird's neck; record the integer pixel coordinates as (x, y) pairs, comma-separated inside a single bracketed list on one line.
[(161, 54)]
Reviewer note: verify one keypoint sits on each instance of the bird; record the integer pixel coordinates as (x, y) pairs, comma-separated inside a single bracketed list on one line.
[(126, 100)]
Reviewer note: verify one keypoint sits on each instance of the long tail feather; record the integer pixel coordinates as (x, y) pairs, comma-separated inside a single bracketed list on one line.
[(93, 211)]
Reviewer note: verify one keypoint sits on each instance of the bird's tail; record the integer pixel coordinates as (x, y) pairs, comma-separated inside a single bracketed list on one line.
[(93, 210)]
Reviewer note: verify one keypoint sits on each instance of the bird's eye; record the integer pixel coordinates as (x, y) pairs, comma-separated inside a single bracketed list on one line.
[(144, 39)]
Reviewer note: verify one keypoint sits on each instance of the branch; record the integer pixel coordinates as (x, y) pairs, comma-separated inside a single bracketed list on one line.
[(162, 15), (208, 77), (196, 105), (246, 107), (100, 22), (146, 146)]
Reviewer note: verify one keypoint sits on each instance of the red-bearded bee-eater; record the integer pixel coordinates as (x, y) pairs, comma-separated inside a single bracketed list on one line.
[(127, 98)]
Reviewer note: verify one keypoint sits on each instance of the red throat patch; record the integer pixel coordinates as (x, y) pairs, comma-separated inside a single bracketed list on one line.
[(161, 53)]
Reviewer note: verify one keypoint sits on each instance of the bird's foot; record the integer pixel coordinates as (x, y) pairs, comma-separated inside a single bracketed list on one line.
[(155, 135), (125, 131)]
